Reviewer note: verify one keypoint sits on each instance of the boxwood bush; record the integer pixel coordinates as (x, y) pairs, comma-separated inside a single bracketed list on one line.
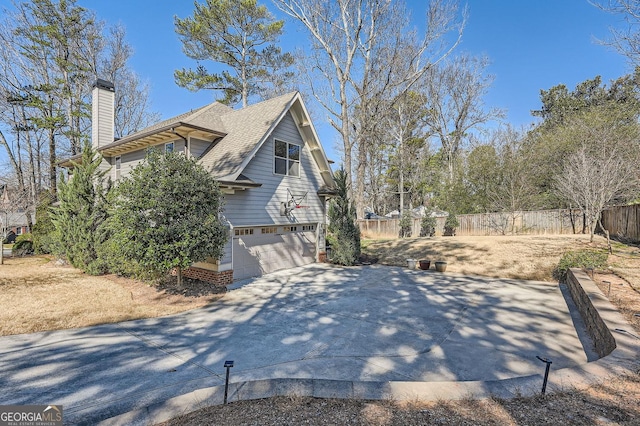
[(586, 258)]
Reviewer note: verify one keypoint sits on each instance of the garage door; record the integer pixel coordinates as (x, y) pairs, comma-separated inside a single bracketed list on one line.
[(258, 251)]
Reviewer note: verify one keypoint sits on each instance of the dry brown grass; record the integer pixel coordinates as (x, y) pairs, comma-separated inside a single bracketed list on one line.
[(613, 403), (526, 257), (38, 295)]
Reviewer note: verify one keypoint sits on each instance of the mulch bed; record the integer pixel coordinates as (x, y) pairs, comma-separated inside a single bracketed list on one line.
[(190, 287)]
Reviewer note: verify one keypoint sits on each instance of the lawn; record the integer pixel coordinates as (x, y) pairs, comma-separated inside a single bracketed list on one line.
[(527, 257), (38, 295)]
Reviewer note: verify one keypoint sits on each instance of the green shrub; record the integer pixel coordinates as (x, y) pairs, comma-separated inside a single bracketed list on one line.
[(405, 224), (22, 248), (450, 225), (428, 225), (24, 237), (81, 211), (451, 221), (587, 258), (45, 239)]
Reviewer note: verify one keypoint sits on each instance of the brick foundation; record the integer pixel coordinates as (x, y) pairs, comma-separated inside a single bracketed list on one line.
[(222, 278)]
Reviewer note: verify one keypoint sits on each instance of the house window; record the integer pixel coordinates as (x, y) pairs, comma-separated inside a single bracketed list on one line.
[(290, 228), (287, 159), (270, 230), (168, 147), (308, 227), (118, 166), (243, 231), (19, 230)]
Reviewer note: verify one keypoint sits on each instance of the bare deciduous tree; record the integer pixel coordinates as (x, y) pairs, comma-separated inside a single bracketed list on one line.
[(360, 58), (405, 123), (455, 94), (514, 191), (626, 40), (50, 55), (603, 170), (132, 109)]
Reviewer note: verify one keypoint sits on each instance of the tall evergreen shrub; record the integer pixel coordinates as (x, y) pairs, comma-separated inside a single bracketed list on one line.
[(79, 217), (344, 234), (44, 234)]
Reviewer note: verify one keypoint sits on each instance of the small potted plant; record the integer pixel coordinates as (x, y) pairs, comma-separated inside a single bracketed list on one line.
[(450, 225), (441, 266)]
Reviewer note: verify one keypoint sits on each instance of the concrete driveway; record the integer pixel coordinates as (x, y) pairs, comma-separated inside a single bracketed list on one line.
[(370, 323)]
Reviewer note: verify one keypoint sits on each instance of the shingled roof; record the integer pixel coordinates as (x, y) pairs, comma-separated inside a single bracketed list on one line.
[(248, 128), (238, 134)]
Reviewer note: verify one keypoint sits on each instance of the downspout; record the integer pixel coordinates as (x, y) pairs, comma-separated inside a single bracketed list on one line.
[(181, 137)]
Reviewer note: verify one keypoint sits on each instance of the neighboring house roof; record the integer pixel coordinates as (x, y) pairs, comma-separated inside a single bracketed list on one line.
[(11, 215), (238, 135)]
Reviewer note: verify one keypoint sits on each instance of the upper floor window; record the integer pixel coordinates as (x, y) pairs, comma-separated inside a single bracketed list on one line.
[(287, 158), (168, 147)]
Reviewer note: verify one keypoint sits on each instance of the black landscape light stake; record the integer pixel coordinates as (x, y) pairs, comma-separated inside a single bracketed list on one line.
[(227, 365), (546, 373)]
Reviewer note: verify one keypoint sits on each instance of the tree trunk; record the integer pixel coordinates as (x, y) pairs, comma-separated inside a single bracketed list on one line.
[(606, 234), (345, 133), (179, 276), (592, 229), (52, 163), (572, 220)]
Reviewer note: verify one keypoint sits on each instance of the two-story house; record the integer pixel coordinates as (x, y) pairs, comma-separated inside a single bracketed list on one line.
[(270, 166)]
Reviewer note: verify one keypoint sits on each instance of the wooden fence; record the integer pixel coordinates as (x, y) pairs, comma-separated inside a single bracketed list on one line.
[(518, 223), (623, 222)]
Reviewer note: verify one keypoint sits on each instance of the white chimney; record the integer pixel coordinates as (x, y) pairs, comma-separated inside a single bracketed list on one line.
[(102, 113)]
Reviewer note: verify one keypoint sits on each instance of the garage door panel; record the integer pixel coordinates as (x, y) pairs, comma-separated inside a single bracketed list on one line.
[(258, 254)]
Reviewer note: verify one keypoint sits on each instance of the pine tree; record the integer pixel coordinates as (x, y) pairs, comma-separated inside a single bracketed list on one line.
[(241, 36), (344, 234), (82, 211)]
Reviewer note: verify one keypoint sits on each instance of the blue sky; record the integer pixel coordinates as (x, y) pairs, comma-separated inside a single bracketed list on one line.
[(532, 45)]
